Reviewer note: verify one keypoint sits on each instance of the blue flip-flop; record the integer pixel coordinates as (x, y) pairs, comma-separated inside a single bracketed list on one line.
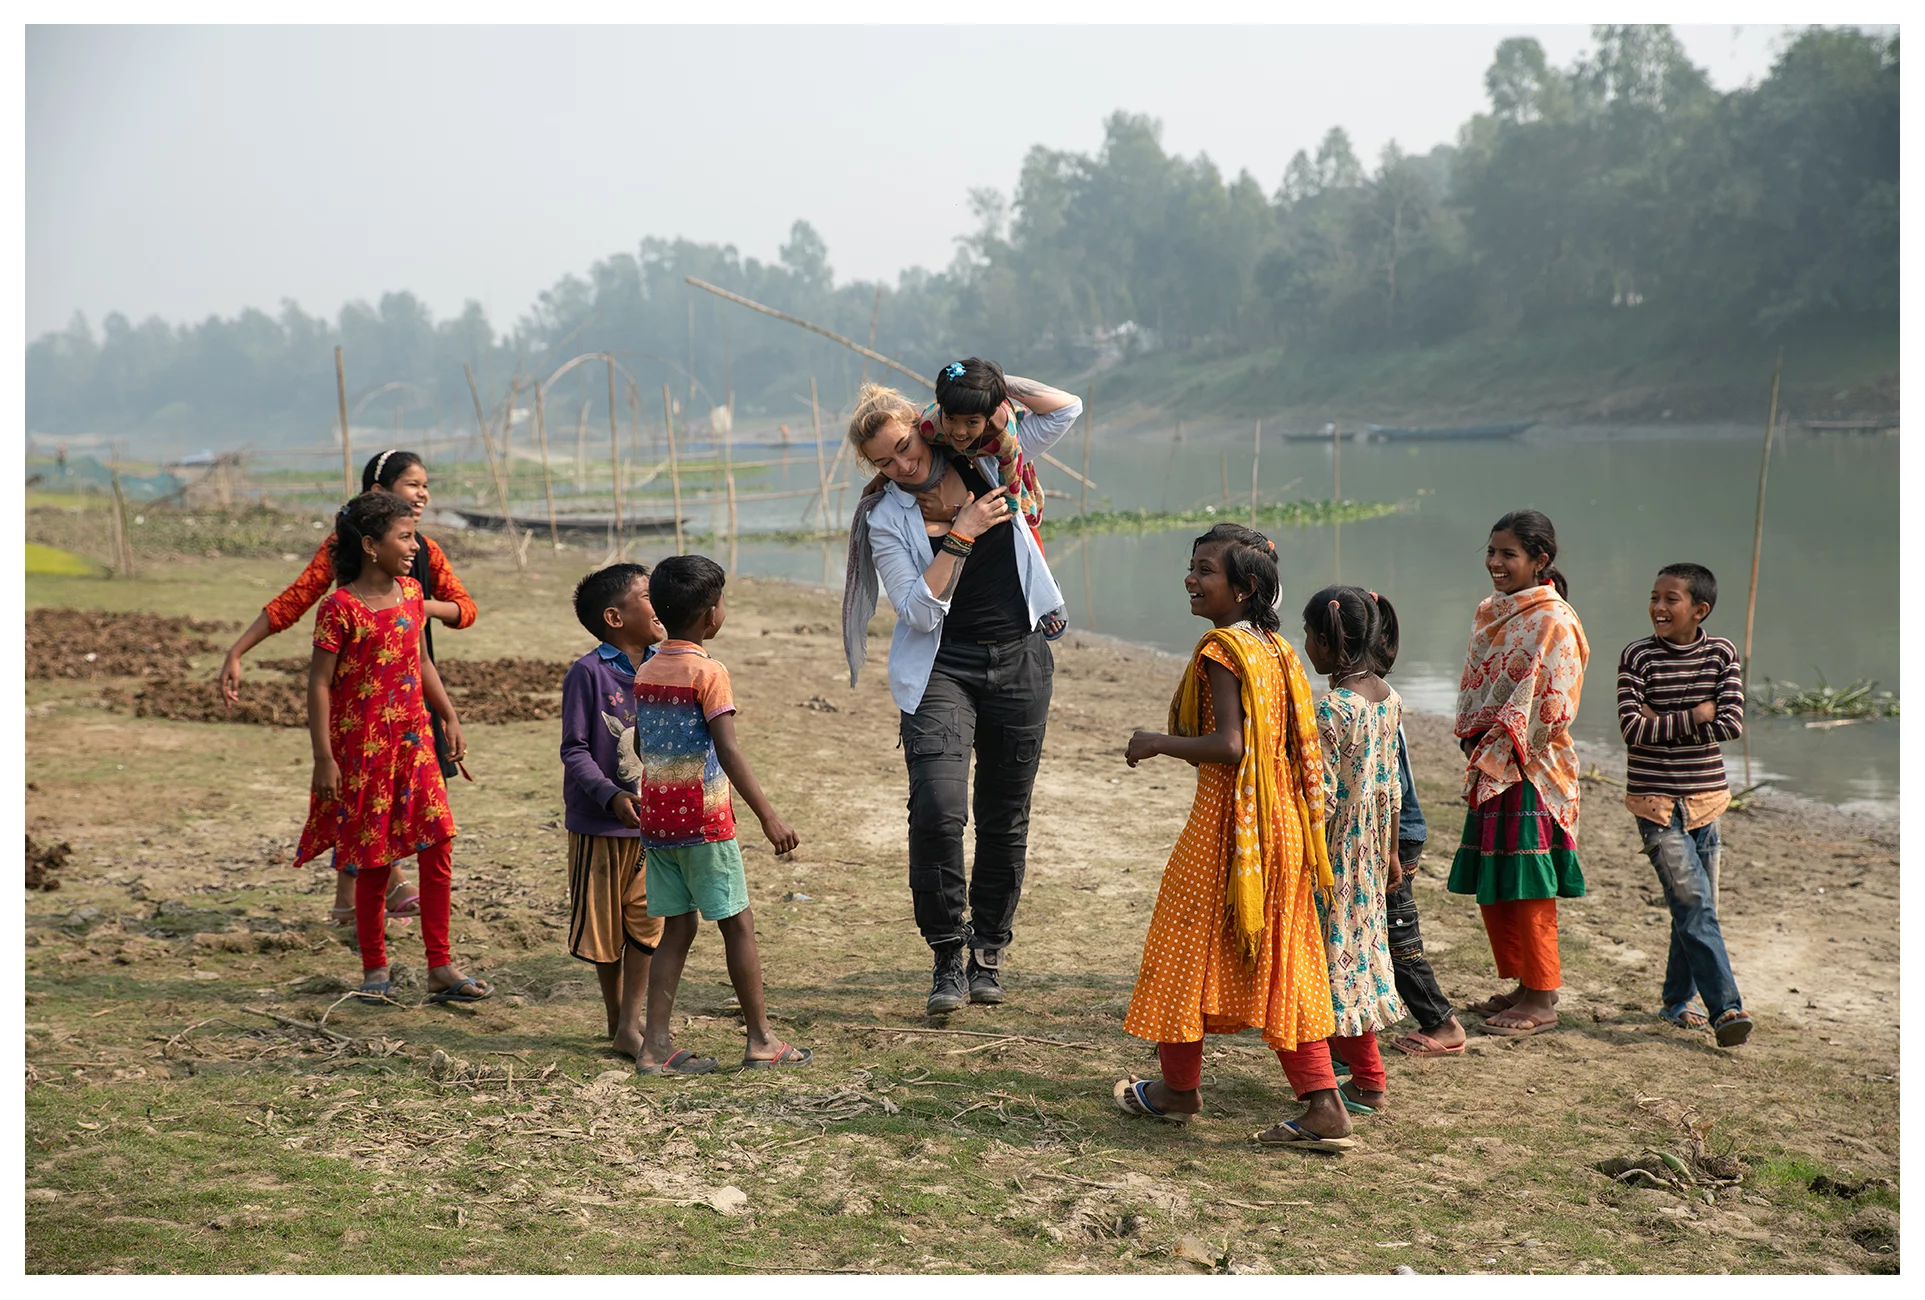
[(1132, 1098), (453, 993), (376, 994), (682, 1061)]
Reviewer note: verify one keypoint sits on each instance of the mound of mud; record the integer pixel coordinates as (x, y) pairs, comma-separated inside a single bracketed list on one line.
[(43, 861), (483, 691), (93, 645)]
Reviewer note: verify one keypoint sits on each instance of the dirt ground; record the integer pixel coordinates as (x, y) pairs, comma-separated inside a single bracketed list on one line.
[(195, 1100)]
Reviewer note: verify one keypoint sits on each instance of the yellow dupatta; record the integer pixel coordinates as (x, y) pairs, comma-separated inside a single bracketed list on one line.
[(1259, 784)]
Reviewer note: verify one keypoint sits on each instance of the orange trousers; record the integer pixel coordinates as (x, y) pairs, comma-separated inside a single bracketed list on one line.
[(1523, 937)]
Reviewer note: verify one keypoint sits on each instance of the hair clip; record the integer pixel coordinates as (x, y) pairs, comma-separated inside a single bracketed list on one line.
[(1373, 597), (381, 464), (954, 370)]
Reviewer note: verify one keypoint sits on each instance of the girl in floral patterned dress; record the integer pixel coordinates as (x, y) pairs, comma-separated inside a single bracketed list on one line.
[(1357, 731), (378, 796)]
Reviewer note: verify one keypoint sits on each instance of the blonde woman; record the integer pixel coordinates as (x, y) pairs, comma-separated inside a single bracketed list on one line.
[(968, 667)]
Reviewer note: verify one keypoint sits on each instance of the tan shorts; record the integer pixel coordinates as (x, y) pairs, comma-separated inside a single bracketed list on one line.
[(608, 898)]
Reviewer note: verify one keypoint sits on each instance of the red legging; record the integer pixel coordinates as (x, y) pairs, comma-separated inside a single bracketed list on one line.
[(371, 907), (1307, 1065)]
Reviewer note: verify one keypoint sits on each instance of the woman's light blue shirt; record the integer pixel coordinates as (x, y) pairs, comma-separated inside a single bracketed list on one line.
[(903, 550)]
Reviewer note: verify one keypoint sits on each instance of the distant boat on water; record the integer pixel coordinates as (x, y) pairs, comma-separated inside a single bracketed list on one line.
[(1325, 434), (1461, 433), (1864, 424), (490, 521)]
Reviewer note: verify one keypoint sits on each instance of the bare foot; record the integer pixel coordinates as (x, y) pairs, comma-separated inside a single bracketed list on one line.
[(1536, 1009)]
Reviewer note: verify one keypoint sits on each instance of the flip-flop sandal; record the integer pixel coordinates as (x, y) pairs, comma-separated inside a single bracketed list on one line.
[(682, 1061), (1132, 1098), (1495, 1004), (785, 1058), (1052, 626), (1425, 1045), (1733, 1028), (1298, 1138), (453, 993), (409, 908), (1519, 1031), (376, 995), (1686, 1016), (1354, 1106)]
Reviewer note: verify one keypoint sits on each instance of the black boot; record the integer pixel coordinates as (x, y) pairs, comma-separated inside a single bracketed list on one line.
[(948, 990), (985, 985)]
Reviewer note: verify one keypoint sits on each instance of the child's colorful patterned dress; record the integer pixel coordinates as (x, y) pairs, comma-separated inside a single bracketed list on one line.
[(1361, 797), (392, 801)]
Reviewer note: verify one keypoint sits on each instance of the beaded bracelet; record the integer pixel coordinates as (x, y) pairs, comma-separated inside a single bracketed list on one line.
[(956, 547)]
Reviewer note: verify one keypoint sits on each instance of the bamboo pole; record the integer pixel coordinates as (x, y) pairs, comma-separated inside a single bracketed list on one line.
[(615, 456), (871, 353), (874, 312), (1757, 553), (347, 453), (1256, 460), (821, 471), (1170, 468), (547, 483), (728, 477), (674, 469), (488, 445), (1089, 418), (123, 545)]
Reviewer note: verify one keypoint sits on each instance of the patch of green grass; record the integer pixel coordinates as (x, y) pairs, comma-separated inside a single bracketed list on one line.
[(49, 561), (1284, 514)]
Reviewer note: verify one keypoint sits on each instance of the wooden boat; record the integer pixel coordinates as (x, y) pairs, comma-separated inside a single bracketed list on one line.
[(1462, 433), (1865, 424), (490, 521), (1342, 435)]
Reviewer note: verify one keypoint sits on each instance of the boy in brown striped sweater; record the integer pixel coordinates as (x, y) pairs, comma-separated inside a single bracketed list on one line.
[(1679, 695)]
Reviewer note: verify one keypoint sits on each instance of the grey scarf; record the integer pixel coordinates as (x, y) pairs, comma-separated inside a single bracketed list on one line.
[(859, 586)]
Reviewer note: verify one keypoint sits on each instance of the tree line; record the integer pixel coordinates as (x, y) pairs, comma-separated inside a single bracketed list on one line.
[(1622, 186)]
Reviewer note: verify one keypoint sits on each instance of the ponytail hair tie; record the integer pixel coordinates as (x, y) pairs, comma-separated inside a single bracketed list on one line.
[(1373, 597), (1339, 608)]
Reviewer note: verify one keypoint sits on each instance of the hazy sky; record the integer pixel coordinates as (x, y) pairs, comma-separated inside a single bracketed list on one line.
[(188, 171)]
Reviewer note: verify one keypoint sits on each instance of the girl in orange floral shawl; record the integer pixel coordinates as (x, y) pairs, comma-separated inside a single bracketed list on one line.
[(1523, 673)]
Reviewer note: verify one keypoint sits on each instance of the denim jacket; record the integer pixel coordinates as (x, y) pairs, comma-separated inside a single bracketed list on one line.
[(1410, 820), (903, 550)]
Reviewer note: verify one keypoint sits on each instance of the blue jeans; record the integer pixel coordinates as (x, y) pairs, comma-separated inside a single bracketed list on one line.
[(1687, 863)]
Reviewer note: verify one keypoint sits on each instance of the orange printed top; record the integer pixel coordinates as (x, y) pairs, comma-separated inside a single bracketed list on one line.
[(286, 609)]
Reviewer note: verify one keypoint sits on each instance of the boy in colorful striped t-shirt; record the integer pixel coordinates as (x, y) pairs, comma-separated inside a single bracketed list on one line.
[(1679, 695), (685, 735)]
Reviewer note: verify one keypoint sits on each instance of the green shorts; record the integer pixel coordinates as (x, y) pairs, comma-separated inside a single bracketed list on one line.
[(705, 877)]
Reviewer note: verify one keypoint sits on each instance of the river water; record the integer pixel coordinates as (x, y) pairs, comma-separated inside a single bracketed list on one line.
[(1625, 501)]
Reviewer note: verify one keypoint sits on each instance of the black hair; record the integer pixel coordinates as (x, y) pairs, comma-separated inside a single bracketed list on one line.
[(386, 468), (1700, 581), (1383, 650), (1360, 629), (1532, 528), (1250, 563), (600, 589), (369, 515), (685, 587), (971, 386)]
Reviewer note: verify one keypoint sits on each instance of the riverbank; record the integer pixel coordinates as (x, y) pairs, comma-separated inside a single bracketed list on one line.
[(180, 1117)]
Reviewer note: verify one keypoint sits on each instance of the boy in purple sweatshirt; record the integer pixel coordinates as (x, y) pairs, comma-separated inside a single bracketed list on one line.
[(608, 921)]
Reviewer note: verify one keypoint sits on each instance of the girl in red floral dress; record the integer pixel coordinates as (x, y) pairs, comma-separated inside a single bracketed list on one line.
[(445, 601), (377, 795)]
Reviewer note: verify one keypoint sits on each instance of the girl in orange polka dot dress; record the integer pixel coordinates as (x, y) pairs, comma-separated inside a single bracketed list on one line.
[(1234, 942), (378, 795)]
